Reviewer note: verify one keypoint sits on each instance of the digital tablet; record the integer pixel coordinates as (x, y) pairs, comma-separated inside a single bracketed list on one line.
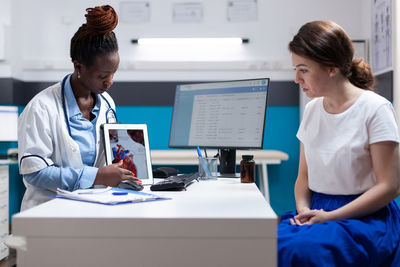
[(129, 143)]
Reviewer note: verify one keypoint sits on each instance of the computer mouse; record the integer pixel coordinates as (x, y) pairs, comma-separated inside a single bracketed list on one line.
[(131, 185)]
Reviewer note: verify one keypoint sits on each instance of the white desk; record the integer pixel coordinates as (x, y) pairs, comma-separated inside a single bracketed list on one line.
[(213, 223), (189, 157)]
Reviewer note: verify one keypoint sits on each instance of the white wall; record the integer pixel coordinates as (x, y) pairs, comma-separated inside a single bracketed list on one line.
[(42, 29), (5, 21), (396, 61)]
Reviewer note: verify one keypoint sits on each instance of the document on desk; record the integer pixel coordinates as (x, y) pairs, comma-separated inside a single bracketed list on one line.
[(107, 196)]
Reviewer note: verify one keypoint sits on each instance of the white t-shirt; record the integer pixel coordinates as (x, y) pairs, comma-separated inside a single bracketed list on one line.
[(336, 146)]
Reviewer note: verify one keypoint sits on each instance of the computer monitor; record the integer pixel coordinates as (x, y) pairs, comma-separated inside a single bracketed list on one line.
[(225, 115)]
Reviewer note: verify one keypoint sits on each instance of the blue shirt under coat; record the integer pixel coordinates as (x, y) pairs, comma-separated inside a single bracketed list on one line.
[(84, 133)]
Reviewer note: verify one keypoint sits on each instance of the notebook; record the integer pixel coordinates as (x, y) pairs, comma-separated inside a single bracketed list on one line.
[(129, 143), (107, 196)]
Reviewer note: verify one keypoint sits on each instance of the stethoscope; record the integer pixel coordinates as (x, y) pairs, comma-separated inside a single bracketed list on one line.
[(111, 115)]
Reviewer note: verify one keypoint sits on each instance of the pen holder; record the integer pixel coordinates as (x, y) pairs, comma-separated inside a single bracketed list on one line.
[(212, 172)]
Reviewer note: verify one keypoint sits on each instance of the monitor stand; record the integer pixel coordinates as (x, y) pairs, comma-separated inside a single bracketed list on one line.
[(227, 163)]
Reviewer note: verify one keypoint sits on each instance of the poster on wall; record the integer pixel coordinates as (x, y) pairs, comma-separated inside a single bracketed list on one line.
[(134, 12), (187, 13), (361, 49), (242, 10), (381, 44), (2, 42)]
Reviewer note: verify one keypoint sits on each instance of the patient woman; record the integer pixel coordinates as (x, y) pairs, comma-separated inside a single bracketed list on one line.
[(348, 173)]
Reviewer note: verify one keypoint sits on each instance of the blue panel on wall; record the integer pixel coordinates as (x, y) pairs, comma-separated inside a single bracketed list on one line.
[(157, 118), (281, 127), (280, 134), (16, 185), (17, 190)]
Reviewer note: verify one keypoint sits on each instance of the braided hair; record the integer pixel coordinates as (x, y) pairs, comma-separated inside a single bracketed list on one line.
[(328, 44), (96, 36)]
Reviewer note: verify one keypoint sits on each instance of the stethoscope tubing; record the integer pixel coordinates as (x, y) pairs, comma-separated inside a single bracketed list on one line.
[(65, 108)]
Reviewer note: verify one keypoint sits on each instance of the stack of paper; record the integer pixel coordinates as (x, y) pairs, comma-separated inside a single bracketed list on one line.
[(109, 195)]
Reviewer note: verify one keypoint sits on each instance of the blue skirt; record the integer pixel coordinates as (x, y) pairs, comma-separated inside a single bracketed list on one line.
[(369, 241)]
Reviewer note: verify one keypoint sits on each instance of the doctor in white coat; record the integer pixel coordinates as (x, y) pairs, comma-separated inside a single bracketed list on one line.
[(58, 132)]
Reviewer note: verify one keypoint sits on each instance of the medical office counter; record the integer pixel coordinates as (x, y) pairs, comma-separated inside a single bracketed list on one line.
[(214, 223), (262, 159)]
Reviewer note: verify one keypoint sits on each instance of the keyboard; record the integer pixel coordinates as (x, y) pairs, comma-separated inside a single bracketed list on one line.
[(178, 182)]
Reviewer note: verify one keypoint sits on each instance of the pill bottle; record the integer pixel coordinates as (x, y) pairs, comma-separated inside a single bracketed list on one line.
[(247, 169)]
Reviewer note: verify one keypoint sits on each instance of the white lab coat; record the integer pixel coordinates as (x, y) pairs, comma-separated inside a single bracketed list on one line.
[(44, 140)]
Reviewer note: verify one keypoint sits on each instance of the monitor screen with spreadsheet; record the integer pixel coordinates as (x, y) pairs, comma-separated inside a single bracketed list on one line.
[(223, 115)]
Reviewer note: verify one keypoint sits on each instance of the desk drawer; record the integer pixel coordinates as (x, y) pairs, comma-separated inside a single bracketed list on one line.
[(3, 235), (3, 184), (4, 193), (3, 222), (3, 174), (3, 250), (3, 205), (3, 225), (3, 211)]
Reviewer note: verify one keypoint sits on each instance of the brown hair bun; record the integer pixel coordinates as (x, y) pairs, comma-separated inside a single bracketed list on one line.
[(101, 20), (96, 36), (360, 74)]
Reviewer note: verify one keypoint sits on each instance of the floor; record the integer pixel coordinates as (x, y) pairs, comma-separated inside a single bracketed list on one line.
[(10, 261)]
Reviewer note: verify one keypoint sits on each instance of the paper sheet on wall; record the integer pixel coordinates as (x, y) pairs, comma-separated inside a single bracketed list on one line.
[(187, 12), (381, 45), (2, 42), (134, 12), (242, 10)]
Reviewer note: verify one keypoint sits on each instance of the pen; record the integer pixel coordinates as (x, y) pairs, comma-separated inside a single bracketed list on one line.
[(204, 162), (119, 193)]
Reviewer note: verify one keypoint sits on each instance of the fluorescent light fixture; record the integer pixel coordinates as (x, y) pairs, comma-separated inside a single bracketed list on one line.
[(190, 41)]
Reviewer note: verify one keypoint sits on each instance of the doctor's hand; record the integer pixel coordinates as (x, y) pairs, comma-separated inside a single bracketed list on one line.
[(113, 174), (310, 217)]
